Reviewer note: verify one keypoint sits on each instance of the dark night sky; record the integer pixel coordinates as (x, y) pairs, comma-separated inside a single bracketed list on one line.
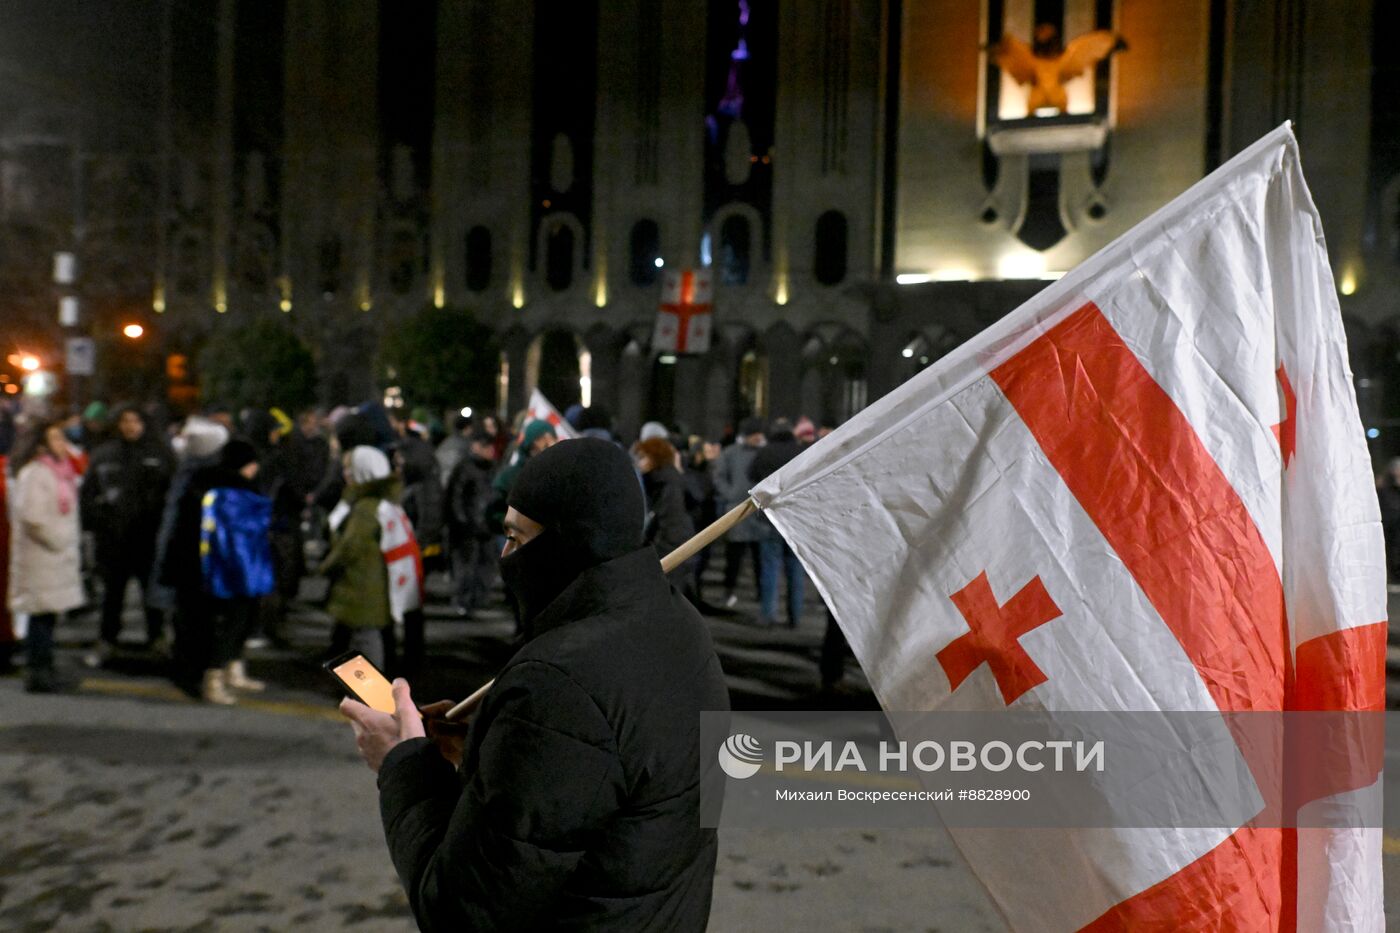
[(97, 58)]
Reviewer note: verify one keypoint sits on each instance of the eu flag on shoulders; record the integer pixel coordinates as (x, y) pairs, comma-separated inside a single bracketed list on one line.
[(235, 547)]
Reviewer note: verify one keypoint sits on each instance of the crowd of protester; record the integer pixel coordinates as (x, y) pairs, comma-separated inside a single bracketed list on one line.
[(215, 515)]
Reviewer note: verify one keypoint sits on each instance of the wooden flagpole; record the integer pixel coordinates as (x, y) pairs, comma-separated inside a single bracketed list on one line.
[(668, 563)]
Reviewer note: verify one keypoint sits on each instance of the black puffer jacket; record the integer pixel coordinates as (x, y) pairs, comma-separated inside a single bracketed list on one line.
[(123, 495), (577, 806), (669, 525)]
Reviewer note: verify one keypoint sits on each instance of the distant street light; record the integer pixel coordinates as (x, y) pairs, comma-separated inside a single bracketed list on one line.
[(466, 412), (29, 362), (133, 331)]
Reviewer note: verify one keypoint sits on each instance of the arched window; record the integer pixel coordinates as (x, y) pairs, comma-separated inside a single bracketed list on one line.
[(403, 264), (829, 258), (734, 250), (328, 265), (559, 258), (478, 258), (188, 263), (646, 250)]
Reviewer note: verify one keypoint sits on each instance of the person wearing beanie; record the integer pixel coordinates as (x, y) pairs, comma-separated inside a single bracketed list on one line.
[(94, 426), (573, 800), (536, 436), (653, 429), (359, 592)]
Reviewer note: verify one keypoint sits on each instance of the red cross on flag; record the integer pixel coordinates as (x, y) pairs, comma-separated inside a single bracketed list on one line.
[(541, 409), (1145, 489), (403, 560), (684, 319)]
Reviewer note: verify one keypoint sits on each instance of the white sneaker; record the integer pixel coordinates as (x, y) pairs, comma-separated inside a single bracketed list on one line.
[(236, 677), (215, 688)]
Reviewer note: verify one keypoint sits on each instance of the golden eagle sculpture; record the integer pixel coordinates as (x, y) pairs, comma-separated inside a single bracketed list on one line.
[(1048, 64)]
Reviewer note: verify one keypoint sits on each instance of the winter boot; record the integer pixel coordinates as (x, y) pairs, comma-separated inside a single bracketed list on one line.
[(236, 676), (215, 688)]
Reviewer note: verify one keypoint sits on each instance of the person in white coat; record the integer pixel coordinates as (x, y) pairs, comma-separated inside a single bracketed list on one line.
[(45, 580)]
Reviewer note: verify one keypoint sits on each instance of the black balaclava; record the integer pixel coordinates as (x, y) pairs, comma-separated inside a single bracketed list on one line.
[(234, 456), (585, 494), (237, 453)]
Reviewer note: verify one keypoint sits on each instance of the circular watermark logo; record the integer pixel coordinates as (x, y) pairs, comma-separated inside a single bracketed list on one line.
[(741, 756)]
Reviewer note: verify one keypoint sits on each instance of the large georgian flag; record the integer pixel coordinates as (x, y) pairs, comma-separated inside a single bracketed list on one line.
[(685, 318), (1146, 489)]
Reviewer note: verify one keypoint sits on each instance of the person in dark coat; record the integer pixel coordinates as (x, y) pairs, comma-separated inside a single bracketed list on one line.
[(209, 632), (776, 557), (456, 447), (576, 803), (731, 488), (668, 524), (468, 531), (701, 502), (122, 497)]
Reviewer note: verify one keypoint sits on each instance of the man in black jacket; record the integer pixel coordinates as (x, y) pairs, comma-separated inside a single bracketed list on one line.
[(576, 804), (122, 497), (468, 535)]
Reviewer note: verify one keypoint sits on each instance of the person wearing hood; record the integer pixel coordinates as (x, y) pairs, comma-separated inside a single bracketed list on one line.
[(211, 627), (359, 591), (123, 496), (574, 800)]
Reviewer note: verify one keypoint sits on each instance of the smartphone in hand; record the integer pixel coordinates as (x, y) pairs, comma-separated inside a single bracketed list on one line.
[(363, 681)]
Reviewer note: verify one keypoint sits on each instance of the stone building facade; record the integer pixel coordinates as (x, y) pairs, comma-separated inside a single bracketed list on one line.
[(865, 184)]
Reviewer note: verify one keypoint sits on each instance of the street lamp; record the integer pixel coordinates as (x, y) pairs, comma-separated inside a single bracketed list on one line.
[(133, 331), (28, 362)]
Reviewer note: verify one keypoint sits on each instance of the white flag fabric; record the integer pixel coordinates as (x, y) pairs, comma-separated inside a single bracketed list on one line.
[(403, 561), (1145, 489), (541, 409)]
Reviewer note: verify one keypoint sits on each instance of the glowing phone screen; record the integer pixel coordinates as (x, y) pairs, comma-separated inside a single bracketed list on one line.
[(365, 681)]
